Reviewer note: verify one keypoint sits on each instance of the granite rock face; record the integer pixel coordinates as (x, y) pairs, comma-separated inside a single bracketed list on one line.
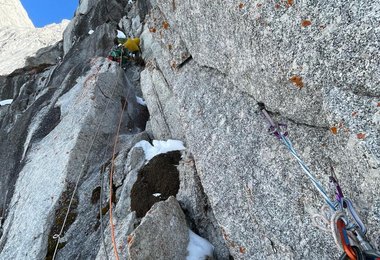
[(19, 39), (297, 59), (162, 234), (50, 55), (19, 43), (208, 66), (56, 141), (261, 46)]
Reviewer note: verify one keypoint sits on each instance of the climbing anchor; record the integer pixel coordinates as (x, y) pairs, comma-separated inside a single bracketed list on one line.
[(348, 235)]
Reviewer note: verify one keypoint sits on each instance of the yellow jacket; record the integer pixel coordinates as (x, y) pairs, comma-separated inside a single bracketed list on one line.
[(132, 44)]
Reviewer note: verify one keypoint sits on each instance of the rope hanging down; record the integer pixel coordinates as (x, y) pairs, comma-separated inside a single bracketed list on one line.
[(348, 235), (102, 171), (112, 226), (59, 235)]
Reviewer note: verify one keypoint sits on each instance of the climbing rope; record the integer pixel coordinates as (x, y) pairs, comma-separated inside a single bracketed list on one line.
[(58, 236), (101, 213), (282, 136), (102, 170), (348, 235), (111, 183)]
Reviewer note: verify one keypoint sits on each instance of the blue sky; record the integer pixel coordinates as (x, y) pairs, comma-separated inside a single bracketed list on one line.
[(43, 12)]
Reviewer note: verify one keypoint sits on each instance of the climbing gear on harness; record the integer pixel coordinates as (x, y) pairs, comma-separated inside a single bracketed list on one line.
[(348, 235)]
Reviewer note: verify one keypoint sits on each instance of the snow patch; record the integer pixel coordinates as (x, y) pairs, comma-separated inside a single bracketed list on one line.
[(6, 102), (120, 34), (141, 101), (90, 32), (159, 147), (198, 247), (156, 194)]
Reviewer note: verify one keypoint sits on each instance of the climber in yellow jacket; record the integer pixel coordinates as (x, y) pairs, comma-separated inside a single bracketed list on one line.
[(132, 45)]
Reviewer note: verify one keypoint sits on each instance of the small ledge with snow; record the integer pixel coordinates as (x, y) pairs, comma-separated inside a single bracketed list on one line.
[(121, 35), (6, 102), (159, 147), (141, 101), (198, 247)]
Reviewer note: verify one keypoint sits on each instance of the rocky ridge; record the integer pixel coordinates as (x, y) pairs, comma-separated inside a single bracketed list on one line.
[(13, 14), (19, 39), (203, 80)]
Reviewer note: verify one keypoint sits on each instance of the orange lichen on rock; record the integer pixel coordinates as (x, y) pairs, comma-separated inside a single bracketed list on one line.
[(241, 5), (242, 250), (152, 30), (305, 23), (297, 81), (354, 114), (130, 239), (165, 24), (290, 2), (277, 6), (334, 130), (360, 136), (378, 104)]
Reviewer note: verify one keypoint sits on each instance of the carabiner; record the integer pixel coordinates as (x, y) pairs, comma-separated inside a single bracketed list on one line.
[(350, 252)]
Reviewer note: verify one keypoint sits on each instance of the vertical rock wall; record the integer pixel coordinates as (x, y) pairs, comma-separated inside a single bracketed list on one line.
[(302, 60), (207, 66)]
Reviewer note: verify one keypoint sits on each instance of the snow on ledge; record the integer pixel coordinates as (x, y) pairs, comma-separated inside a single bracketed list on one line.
[(159, 147), (141, 101), (198, 247), (6, 102), (120, 34)]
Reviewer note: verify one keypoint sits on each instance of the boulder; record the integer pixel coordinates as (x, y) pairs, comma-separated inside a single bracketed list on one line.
[(162, 234)]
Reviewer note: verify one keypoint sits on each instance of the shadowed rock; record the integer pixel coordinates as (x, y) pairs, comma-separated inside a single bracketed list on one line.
[(162, 234)]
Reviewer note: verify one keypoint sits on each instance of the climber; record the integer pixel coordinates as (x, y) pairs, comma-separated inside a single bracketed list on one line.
[(132, 45), (129, 50), (116, 51)]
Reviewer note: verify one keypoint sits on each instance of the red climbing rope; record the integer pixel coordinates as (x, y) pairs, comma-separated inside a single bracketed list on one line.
[(111, 184), (346, 247)]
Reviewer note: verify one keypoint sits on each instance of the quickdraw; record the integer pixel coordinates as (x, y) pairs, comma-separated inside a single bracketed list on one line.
[(349, 235)]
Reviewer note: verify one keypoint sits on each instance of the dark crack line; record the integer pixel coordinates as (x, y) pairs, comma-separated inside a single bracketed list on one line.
[(186, 61), (365, 94), (100, 89), (161, 109), (261, 106), (211, 68), (324, 128)]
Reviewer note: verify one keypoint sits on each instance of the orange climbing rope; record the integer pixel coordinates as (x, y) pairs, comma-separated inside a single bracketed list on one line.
[(58, 236), (346, 247), (111, 176)]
